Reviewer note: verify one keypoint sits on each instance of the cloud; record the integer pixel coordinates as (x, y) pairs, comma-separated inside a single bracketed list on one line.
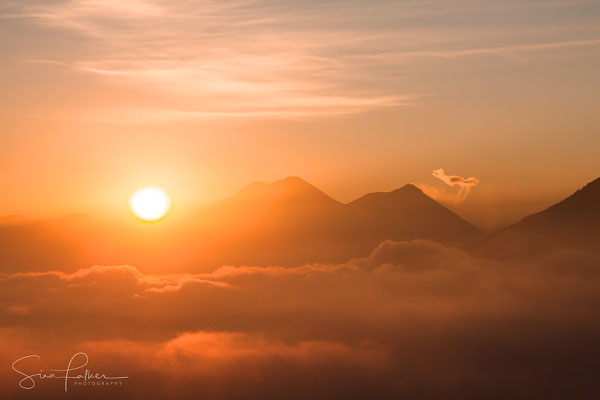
[(213, 60), (464, 184), (190, 60), (453, 180), (413, 319), (499, 50)]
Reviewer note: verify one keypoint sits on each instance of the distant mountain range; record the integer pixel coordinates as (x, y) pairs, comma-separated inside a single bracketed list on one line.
[(287, 222), (290, 222)]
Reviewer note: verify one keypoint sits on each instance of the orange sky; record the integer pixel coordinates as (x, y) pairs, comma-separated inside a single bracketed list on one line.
[(101, 97), (488, 106)]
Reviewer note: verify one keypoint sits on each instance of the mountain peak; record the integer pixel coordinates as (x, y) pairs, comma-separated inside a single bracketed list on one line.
[(409, 187), (293, 179), (291, 187), (407, 213), (408, 192), (293, 182)]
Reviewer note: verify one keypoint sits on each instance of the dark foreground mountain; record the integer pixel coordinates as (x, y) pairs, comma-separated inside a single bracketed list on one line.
[(288, 222), (573, 223)]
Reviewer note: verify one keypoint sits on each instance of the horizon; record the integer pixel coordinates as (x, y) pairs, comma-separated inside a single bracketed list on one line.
[(120, 211), (508, 209)]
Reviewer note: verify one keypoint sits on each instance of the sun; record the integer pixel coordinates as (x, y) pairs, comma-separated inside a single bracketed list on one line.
[(150, 203)]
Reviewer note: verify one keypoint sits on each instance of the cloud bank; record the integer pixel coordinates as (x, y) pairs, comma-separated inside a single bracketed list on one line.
[(413, 319)]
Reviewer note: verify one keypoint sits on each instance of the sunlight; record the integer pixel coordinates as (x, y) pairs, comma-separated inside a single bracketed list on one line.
[(150, 203)]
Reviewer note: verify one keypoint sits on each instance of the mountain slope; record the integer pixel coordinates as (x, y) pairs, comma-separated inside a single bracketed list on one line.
[(408, 213), (286, 222), (573, 223)]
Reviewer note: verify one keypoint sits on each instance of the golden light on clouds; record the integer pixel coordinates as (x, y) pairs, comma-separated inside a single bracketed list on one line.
[(150, 203)]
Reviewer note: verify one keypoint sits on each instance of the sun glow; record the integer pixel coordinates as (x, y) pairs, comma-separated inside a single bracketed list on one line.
[(150, 203)]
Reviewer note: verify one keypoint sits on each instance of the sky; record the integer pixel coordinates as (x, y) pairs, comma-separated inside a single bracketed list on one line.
[(100, 97)]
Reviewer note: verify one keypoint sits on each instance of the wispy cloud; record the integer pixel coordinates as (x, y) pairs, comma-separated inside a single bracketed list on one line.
[(454, 180), (258, 58), (398, 56), (464, 184), (208, 60)]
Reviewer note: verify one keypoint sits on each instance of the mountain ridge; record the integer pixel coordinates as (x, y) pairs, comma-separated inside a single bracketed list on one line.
[(286, 222), (572, 223)]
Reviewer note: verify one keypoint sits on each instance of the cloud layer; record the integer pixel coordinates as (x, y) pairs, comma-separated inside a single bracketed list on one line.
[(416, 319)]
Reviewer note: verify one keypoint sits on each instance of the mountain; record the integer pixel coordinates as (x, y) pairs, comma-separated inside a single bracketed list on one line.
[(291, 189), (287, 222), (290, 222), (573, 223), (287, 202), (408, 213)]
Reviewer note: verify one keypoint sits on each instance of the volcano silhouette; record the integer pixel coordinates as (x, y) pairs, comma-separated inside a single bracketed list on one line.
[(573, 223), (287, 222)]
